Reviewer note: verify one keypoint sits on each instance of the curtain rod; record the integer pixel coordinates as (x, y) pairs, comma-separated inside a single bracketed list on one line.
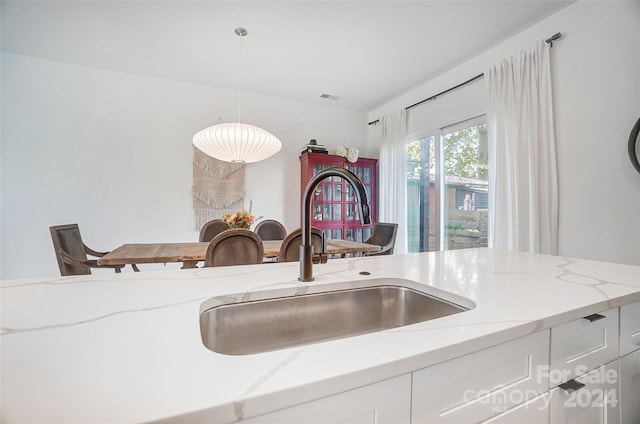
[(549, 41), (553, 38), (437, 95)]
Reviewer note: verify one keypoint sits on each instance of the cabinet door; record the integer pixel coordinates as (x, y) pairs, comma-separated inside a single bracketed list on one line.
[(334, 203), (328, 201), (535, 411), (386, 402), (629, 328), (582, 345), (595, 399), (483, 384), (630, 388)]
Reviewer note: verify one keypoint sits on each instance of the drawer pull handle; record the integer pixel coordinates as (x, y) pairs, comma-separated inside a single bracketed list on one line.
[(571, 386), (594, 317)]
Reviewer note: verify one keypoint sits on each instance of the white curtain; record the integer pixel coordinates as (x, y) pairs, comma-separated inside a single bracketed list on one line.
[(524, 184), (392, 203)]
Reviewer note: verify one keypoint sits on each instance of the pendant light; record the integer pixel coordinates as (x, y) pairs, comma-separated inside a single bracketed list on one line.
[(237, 142)]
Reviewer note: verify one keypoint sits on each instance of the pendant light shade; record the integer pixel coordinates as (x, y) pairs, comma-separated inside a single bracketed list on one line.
[(235, 142)]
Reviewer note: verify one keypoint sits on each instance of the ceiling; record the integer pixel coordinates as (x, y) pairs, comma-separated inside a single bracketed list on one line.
[(362, 52)]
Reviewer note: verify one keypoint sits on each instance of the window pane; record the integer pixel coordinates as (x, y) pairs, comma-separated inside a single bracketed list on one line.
[(349, 234), (326, 212), (466, 187), (337, 211), (350, 193), (337, 192), (367, 176), (421, 200), (351, 211), (326, 189)]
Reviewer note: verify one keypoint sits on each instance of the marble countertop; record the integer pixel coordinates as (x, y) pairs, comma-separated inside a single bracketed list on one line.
[(115, 348)]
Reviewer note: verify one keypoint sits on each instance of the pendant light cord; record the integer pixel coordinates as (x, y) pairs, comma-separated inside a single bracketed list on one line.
[(241, 32)]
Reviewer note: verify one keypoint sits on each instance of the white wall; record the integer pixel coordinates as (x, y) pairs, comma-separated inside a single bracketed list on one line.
[(596, 78), (112, 152)]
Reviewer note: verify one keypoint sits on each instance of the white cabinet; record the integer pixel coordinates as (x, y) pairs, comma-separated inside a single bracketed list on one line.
[(483, 384), (583, 344), (630, 363), (630, 388), (629, 328), (386, 402), (592, 398), (554, 376)]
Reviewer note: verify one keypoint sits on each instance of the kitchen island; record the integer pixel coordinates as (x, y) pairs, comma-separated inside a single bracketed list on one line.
[(116, 348)]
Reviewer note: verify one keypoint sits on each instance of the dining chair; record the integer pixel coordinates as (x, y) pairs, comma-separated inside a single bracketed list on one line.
[(290, 248), (236, 246), (71, 252), (212, 229), (383, 235), (270, 229)]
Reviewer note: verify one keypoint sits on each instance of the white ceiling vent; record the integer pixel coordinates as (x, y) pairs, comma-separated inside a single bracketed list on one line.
[(329, 96)]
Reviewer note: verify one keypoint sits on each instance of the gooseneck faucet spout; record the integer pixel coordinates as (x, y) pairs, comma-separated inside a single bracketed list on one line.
[(307, 256)]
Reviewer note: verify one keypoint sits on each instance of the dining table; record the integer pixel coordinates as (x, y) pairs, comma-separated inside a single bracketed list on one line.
[(190, 253)]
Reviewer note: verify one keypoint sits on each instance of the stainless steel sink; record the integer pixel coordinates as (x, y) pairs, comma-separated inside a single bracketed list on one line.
[(255, 326)]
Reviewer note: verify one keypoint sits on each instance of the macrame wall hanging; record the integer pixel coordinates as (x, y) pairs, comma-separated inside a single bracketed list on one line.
[(218, 188)]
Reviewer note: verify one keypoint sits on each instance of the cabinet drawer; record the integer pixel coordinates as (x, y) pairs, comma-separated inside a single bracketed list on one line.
[(583, 344), (483, 384), (595, 400), (629, 328)]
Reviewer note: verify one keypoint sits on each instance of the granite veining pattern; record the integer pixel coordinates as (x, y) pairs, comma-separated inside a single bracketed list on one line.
[(112, 348)]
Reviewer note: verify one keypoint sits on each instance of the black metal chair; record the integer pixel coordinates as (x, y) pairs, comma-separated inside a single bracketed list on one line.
[(71, 252), (270, 229), (383, 235)]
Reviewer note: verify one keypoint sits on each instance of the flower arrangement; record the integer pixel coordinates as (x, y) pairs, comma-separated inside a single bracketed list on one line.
[(240, 219)]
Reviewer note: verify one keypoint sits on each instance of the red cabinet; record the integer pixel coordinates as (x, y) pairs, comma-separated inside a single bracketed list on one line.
[(334, 204)]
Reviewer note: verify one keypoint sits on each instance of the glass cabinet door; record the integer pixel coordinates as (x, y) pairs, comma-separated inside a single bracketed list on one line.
[(335, 205)]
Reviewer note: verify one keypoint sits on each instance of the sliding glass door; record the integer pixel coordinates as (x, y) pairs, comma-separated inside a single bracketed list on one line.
[(447, 188), (422, 201)]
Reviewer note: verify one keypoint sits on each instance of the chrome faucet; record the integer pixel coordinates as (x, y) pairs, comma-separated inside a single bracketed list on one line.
[(307, 256)]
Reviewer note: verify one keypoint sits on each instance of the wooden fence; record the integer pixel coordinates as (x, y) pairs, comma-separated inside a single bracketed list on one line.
[(463, 229)]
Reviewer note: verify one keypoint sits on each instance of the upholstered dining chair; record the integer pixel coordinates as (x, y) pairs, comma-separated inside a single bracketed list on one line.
[(290, 248), (71, 252), (212, 229), (270, 229), (383, 235), (236, 246)]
